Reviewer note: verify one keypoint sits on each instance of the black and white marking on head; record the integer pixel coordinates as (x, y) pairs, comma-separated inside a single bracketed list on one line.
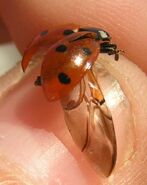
[(104, 35), (64, 78), (43, 33), (100, 33), (86, 51), (68, 32), (61, 48)]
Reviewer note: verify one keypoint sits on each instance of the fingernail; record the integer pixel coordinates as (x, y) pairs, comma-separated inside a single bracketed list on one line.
[(104, 133)]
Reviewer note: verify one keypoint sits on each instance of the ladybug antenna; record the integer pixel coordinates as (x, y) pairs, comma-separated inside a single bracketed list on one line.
[(117, 53)]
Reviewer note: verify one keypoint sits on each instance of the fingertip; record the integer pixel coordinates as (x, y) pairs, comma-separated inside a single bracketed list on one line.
[(129, 132), (25, 20)]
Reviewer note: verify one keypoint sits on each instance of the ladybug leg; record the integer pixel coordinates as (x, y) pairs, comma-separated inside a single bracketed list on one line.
[(38, 81), (96, 92), (110, 49), (97, 95), (107, 47)]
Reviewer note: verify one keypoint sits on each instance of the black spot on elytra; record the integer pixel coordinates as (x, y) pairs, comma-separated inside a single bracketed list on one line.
[(86, 51), (38, 81), (43, 33), (64, 78), (68, 32), (61, 48)]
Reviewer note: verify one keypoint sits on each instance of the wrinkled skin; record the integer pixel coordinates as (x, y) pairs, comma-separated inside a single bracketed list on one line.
[(32, 129)]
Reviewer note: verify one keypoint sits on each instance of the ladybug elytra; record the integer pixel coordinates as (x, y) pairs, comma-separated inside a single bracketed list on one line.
[(68, 53)]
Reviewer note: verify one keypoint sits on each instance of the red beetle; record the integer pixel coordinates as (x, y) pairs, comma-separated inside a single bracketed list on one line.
[(68, 52)]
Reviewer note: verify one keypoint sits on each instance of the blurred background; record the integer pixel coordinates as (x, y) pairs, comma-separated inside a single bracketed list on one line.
[(9, 54)]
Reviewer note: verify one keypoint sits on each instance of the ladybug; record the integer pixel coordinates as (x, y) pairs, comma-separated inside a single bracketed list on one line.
[(68, 54)]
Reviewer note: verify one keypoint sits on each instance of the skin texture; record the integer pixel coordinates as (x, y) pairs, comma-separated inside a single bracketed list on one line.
[(126, 21), (33, 130)]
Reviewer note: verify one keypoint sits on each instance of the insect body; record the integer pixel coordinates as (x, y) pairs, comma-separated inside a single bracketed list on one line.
[(68, 53), (68, 56)]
